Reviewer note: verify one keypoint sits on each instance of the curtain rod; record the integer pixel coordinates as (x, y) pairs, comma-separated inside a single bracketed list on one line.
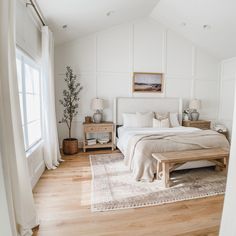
[(31, 3)]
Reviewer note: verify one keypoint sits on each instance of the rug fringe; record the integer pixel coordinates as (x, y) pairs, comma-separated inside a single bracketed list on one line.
[(94, 209)]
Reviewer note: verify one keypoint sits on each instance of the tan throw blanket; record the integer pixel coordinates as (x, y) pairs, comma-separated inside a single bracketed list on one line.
[(138, 155)]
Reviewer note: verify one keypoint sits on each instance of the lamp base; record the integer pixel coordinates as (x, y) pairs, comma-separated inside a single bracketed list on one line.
[(194, 115), (97, 117)]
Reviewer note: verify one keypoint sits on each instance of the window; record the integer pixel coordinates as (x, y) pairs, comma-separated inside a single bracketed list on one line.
[(28, 74)]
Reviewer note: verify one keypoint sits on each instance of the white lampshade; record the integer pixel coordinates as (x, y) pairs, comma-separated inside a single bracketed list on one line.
[(97, 104), (195, 104)]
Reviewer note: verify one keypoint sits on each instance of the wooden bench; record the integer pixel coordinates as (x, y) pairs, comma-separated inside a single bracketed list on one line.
[(169, 161)]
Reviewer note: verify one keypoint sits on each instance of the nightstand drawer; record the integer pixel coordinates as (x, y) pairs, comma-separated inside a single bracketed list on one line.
[(201, 124), (94, 129)]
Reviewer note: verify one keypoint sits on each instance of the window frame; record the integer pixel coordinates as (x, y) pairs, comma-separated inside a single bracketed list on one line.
[(25, 59)]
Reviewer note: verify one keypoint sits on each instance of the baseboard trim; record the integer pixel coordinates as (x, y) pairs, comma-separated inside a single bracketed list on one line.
[(37, 174)]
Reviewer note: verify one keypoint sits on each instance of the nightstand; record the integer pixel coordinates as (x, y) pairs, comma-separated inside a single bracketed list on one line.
[(95, 128), (201, 124)]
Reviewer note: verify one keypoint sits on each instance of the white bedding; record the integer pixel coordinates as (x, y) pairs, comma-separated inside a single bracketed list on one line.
[(138, 144), (124, 133)]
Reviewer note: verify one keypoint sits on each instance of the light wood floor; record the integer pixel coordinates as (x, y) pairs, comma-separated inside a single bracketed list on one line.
[(62, 198)]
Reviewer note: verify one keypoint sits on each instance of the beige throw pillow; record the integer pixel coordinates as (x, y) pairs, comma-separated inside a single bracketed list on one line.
[(161, 116), (164, 123)]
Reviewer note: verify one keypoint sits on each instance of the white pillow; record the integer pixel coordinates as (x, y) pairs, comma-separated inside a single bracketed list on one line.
[(164, 123), (130, 120), (138, 119), (174, 122), (144, 119)]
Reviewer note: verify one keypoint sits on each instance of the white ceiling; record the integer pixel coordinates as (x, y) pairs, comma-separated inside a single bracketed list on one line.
[(220, 39), (87, 16)]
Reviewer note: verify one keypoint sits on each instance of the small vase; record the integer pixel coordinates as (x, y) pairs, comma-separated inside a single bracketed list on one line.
[(194, 115)]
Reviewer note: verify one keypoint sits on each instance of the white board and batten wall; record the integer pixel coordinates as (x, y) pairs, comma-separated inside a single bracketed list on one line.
[(107, 59), (28, 39)]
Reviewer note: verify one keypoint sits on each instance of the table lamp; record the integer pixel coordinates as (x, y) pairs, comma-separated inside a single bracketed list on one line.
[(97, 106)]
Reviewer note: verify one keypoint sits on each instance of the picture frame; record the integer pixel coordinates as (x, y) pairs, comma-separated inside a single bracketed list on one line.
[(145, 82)]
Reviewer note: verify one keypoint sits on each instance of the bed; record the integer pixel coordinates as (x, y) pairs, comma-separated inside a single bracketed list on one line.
[(138, 143)]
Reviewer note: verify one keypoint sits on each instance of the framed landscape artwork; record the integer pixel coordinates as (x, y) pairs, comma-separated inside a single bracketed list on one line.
[(148, 82)]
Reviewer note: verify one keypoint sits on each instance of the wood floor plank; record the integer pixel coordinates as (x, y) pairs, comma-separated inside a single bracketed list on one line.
[(62, 198)]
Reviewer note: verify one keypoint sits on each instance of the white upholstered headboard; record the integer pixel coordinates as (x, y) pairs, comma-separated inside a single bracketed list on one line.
[(144, 104)]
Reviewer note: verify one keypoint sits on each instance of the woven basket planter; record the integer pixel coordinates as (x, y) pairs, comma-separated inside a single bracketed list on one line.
[(70, 146)]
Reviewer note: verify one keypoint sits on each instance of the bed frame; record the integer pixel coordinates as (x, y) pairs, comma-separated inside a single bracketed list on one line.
[(134, 104)]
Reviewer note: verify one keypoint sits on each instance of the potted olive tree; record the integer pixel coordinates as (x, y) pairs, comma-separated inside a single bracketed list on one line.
[(70, 105)]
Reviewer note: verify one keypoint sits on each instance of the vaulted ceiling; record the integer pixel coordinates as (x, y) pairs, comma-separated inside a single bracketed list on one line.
[(210, 24), (86, 16)]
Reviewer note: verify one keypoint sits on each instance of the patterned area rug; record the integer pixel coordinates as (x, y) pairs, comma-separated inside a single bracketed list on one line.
[(113, 187)]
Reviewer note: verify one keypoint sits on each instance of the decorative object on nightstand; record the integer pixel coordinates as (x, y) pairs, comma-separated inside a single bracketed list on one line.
[(225, 133), (194, 105), (201, 124), (96, 128), (186, 114), (222, 129), (103, 140), (91, 141), (97, 105), (70, 109), (88, 119)]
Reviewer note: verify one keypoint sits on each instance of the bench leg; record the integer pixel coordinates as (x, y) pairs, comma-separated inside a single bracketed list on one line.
[(166, 175), (159, 170), (218, 168), (220, 163)]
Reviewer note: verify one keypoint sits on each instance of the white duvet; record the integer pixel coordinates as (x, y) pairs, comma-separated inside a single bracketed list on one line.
[(138, 144), (125, 134)]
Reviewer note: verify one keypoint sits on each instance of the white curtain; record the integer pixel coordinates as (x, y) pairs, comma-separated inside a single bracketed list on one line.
[(16, 177), (7, 226), (52, 155)]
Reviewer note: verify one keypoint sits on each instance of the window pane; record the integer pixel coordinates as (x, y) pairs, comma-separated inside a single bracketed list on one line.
[(31, 80), (28, 74), (32, 107), (34, 132), (24, 133), (19, 74), (21, 108)]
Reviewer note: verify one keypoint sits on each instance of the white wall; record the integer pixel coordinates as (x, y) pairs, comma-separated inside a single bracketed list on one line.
[(228, 77), (228, 226), (28, 39), (28, 33), (106, 61)]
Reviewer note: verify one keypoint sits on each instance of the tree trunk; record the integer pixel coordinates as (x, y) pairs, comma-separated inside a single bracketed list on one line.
[(70, 129), (70, 132)]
